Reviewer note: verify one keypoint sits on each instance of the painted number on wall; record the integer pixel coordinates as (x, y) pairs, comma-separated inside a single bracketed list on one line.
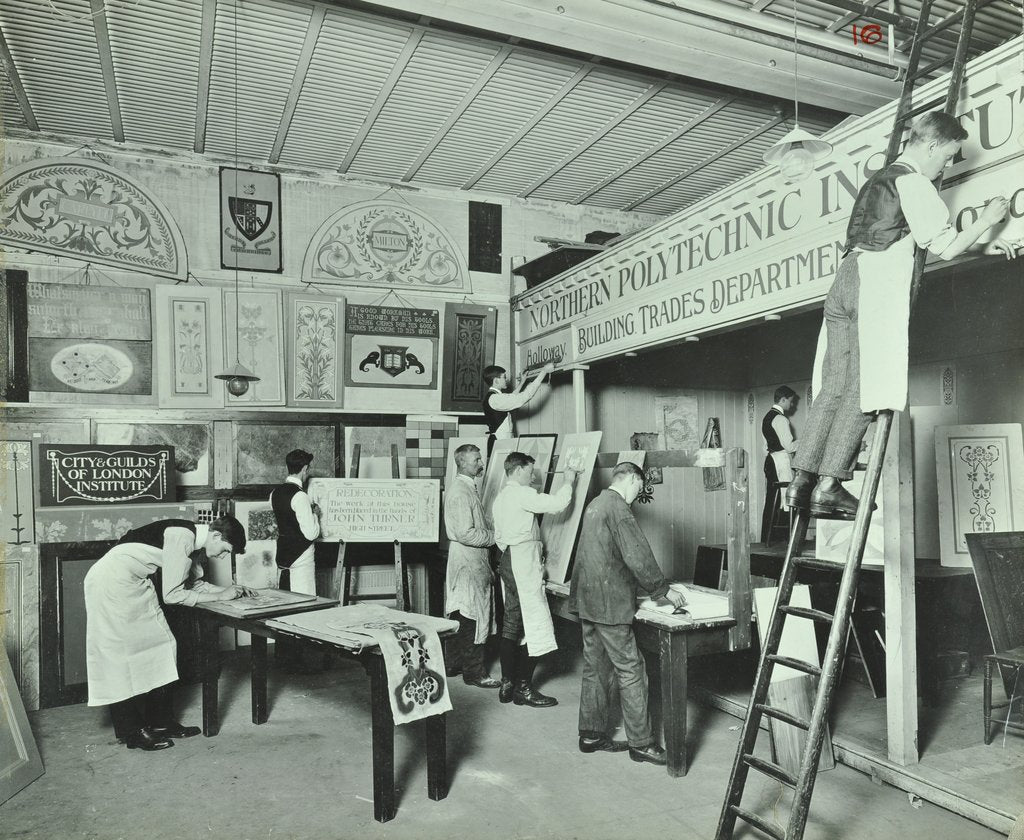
[(870, 33)]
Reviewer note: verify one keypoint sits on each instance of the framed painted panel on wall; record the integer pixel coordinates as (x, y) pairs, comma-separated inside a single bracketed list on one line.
[(189, 346), (314, 326), (980, 476), (469, 332), (260, 450), (17, 513), (254, 334), (192, 442), (250, 220), (391, 347)]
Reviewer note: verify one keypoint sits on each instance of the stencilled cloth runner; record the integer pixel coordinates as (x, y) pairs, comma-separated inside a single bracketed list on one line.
[(409, 643)]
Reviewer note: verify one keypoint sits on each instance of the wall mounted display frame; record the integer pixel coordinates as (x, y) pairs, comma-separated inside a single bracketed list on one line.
[(391, 347), (14, 334), (192, 442), (314, 330), (17, 511), (469, 338), (189, 346), (250, 220), (254, 334), (260, 448)]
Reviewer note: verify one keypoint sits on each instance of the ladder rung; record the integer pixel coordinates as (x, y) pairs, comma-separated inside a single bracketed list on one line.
[(796, 664), (758, 823), (786, 717), (770, 769), (931, 67), (807, 612), (920, 109)]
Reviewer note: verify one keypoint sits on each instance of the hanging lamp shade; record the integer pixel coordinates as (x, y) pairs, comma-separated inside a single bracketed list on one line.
[(238, 377), (796, 153)]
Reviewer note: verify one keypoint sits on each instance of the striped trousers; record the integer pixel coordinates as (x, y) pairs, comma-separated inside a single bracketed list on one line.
[(835, 425)]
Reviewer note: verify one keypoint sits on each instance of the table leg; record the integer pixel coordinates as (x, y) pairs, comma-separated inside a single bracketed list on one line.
[(672, 663), (383, 738), (437, 757), (987, 701), (209, 646), (258, 679)]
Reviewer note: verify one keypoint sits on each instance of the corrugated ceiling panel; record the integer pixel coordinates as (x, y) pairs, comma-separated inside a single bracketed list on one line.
[(156, 63), (353, 57), (54, 49), (260, 64), (509, 99), (593, 103), (10, 111), (440, 72)]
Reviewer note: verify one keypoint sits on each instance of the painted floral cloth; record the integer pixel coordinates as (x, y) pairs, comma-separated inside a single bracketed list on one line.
[(409, 643)]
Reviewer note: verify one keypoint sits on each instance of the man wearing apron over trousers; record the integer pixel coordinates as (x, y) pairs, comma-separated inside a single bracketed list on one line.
[(780, 441), (527, 615), (499, 405), (862, 359)]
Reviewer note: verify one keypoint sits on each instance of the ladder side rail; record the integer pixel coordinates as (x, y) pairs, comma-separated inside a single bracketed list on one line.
[(907, 93)]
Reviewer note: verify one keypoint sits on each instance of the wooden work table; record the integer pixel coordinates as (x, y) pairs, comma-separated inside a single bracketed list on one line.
[(671, 639), (208, 623)]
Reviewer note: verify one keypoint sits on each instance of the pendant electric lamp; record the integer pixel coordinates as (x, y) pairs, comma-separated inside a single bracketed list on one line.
[(798, 151)]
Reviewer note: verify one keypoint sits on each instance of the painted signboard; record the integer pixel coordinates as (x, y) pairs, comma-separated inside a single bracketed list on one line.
[(377, 510), (250, 220), (762, 245), (391, 347), (95, 475)]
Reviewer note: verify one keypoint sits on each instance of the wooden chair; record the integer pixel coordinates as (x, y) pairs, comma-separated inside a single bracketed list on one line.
[(775, 491)]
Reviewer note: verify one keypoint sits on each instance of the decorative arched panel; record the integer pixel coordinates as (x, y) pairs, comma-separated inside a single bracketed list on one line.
[(389, 245), (83, 209)]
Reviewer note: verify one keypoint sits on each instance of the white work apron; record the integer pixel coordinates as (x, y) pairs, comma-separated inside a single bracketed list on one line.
[(883, 325), (783, 465), (528, 570)]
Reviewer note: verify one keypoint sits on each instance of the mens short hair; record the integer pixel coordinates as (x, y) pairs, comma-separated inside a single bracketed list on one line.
[(232, 531), (464, 452), (492, 372), (296, 460), (938, 126), (784, 392), (515, 460), (624, 469)]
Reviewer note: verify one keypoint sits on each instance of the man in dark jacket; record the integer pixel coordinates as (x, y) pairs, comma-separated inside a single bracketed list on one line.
[(613, 561)]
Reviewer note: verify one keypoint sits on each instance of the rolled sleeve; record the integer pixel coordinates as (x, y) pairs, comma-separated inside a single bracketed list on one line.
[(308, 523), (176, 563), (926, 213)]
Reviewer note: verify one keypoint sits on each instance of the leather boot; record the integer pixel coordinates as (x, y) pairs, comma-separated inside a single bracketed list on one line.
[(505, 691), (798, 491), (830, 498), (146, 739), (526, 695)]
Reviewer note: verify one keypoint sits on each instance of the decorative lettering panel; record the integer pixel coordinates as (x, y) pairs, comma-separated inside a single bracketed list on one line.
[(377, 510)]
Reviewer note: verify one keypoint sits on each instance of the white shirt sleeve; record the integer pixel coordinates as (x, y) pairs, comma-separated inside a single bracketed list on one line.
[(785, 433), (508, 402), (176, 563), (308, 523), (925, 212), (545, 503)]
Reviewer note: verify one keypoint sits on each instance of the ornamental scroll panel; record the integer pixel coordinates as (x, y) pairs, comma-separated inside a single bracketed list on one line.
[(86, 210), (386, 244), (980, 472), (469, 337)]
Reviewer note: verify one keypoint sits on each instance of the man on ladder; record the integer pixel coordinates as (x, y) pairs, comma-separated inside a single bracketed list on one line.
[(861, 364)]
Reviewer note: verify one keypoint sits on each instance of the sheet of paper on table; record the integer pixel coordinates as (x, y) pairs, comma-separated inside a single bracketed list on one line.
[(266, 600), (699, 604), (346, 624)]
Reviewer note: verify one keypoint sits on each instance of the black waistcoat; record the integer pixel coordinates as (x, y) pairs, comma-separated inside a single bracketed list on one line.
[(291, 542), (153, 533), (771, 437), (877, 220), (492, 416)]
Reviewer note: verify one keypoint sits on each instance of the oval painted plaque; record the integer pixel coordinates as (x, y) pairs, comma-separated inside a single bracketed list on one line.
[(92, 366)]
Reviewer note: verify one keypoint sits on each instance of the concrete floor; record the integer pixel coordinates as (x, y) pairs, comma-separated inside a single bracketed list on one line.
[(516, 774)]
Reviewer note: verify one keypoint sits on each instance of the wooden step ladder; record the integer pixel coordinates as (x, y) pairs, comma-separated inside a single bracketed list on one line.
[(802, 783)]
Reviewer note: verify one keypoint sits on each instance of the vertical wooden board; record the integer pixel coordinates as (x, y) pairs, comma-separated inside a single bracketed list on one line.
[(485, 237), (19, 755), (188, 351), (558, 531), (223, 455), (468, 347)]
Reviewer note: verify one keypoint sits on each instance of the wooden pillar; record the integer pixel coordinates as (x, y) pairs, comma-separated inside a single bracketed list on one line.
[(579, 396), (900, 606), (738, 543)]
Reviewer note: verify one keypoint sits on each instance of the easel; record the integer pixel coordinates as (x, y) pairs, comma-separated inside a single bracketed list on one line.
[(342, 583)]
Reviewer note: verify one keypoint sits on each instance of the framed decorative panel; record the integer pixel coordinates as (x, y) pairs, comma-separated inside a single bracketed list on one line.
[(17, 512), (250, 220), (19, 627), (19, 754), (391, 347), (260, 449), (980, 473), (14, 334), (192, 442), (375, 444), (314, 327), (426, 442), (189, 346), (257, 342), (469, 332), (46, 431)]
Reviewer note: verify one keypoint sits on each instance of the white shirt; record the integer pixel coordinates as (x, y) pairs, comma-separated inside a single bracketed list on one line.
[(925, 211), (303, 508), (514, 509), (784, 430)]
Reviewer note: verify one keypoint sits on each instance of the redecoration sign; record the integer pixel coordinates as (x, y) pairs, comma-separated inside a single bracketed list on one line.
[(99, 475), (377, 510), (764, 246), (250, 220), (391, 346)]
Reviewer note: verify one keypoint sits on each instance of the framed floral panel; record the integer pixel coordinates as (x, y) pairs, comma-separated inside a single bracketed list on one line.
[(17, 511), (254, 334), (469, 332), (980, 472), (189, 348), (314, 329)]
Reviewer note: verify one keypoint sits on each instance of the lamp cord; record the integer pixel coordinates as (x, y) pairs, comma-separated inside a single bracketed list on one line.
[(796, 53), (234, 16)]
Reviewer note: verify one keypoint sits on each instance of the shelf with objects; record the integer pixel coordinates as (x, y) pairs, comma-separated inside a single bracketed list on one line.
[(705, 314)]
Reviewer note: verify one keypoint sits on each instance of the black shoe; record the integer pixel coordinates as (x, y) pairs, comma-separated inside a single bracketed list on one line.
[(590, 745), (835, 502), (652, 754), (483, 681), (505, 692), (146, 739), (453, 671), (176, 730), (798, 491), (526, 695)]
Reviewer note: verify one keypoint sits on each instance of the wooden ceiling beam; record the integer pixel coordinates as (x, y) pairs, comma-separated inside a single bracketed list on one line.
[(530, 124), (316, 22), (370, 118), (14, 79), (102, 35), (708, 112), (746, 138), (205, 69)]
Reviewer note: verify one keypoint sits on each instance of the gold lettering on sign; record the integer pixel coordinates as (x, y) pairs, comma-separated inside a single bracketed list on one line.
[(88, 211)]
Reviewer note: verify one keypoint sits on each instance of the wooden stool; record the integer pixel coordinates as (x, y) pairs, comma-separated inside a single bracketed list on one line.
[(775, 491), (1010, 659)]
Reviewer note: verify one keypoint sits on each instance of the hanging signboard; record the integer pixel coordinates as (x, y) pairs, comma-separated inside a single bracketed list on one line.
[(763, 246), (250, 220), (95, 475), (391, 347)]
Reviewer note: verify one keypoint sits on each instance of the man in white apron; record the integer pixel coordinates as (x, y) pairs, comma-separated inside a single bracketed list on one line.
[(527, 615), (777, 431), (131, 654), (861, 364)]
